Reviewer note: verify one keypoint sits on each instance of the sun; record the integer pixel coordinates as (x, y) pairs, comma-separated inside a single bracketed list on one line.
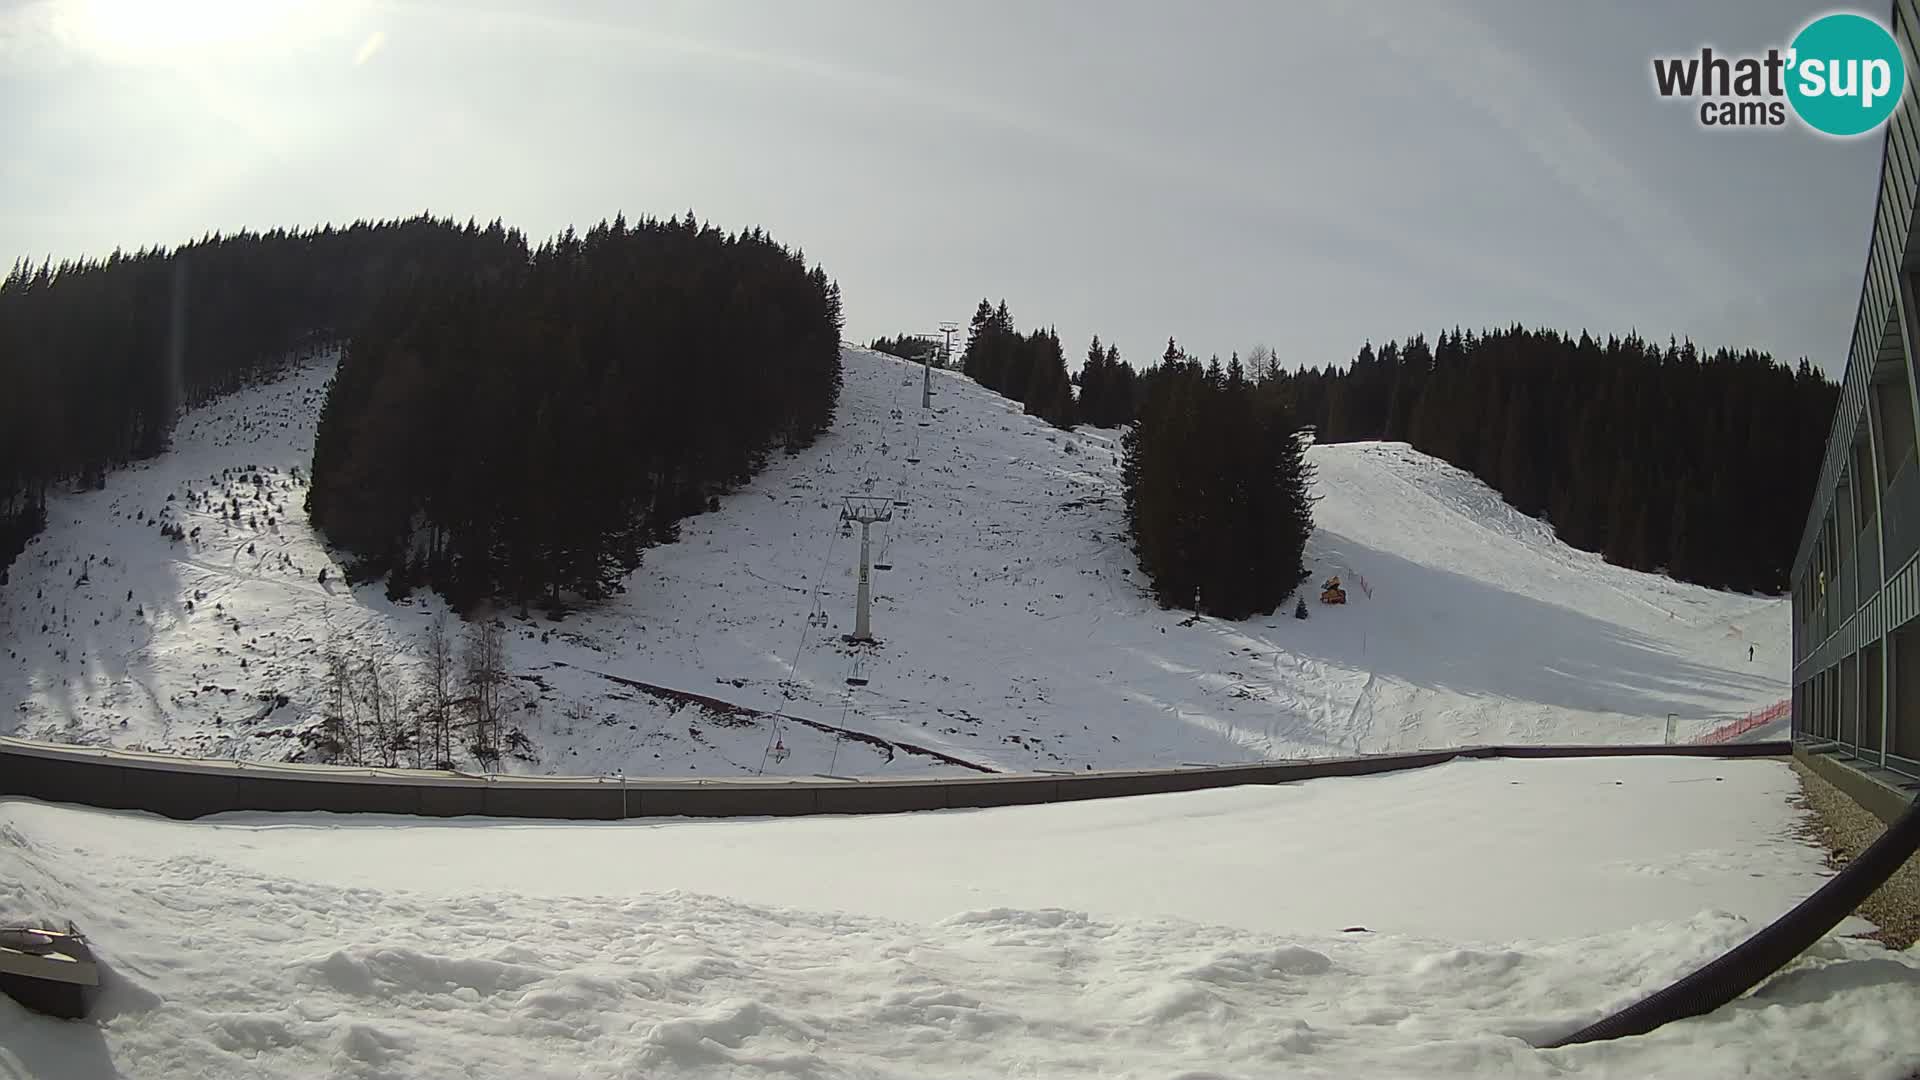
[(148, 29)]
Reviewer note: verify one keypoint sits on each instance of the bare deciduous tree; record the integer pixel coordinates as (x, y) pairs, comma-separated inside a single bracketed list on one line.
[(341, 722), (483, 671), (384, 735), (1261, 359), (433, 709), (577, 713)]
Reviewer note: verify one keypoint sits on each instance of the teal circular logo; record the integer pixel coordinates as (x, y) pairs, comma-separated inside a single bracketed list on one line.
[(1845, 74)]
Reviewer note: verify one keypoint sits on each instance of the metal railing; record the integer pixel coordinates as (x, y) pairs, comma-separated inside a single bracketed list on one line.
[(1901, 510), (1867, 551)]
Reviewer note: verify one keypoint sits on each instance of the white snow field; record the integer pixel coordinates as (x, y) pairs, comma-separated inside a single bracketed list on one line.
[(1015, 631), (1434, 923)]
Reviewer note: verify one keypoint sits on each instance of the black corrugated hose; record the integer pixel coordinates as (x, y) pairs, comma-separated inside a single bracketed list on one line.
[(1766, 952)]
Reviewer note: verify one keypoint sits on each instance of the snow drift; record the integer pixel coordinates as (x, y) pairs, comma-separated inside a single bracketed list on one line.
[(1431, 924)]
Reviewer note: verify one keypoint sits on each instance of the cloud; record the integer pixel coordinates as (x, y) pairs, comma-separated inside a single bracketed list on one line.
[(1467, 56), (26, 35), (374, 43), (1297, 213)]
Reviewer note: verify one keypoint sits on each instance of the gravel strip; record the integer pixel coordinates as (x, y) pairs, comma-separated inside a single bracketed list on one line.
[(1838, 824)]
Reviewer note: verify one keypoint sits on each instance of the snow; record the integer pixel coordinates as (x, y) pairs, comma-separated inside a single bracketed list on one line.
[(1203, 934), (1016, 632)]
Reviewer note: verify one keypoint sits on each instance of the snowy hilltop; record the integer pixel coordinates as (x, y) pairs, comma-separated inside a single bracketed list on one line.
[(189, 607)]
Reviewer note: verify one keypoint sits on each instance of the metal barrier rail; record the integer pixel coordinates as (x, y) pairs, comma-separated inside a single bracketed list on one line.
[(186, 788)]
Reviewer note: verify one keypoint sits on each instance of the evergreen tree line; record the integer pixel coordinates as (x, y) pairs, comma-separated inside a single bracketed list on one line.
[(98, 357), (912, 347), (1669, 459), (527, 436), (1029, 368), (1215, 474), (1109, 387), (1217, 487)]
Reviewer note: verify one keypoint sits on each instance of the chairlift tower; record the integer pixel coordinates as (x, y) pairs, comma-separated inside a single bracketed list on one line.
[(947, 330), (866, 510)]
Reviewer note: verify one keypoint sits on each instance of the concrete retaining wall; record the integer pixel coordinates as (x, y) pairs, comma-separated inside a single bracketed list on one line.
[(191, 788)]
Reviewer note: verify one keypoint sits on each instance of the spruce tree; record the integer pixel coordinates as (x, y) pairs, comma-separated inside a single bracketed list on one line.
[(1096, 387)]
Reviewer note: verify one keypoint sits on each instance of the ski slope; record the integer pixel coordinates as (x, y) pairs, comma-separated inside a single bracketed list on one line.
[(1436, 923), (1015, 631)]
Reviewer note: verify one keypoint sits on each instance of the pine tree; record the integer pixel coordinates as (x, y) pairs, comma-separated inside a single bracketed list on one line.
[(1096, 385), (974, 358), (1216, 490), (1122, 395)]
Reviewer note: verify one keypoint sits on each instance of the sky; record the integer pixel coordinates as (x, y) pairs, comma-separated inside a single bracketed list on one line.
[(1307, 175)]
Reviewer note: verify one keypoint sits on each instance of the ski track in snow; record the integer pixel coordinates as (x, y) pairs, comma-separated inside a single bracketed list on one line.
[(1016, 632)]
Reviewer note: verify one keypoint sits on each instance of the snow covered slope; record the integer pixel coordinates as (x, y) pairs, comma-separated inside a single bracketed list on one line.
[(1459, 915), (1015, 633)]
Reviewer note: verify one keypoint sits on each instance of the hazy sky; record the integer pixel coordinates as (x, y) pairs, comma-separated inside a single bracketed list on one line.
[(1308, 174)]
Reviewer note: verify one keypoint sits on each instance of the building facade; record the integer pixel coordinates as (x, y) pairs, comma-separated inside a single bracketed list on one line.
[(1856, 583)]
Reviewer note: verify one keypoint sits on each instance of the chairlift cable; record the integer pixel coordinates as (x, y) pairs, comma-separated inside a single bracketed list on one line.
[(793, 669)]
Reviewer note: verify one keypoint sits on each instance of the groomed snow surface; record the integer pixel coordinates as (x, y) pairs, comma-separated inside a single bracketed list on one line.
[(1427, 924), (1016, 630)]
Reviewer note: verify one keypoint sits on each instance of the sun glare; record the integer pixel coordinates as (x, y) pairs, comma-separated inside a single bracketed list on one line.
[(144, 29)]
